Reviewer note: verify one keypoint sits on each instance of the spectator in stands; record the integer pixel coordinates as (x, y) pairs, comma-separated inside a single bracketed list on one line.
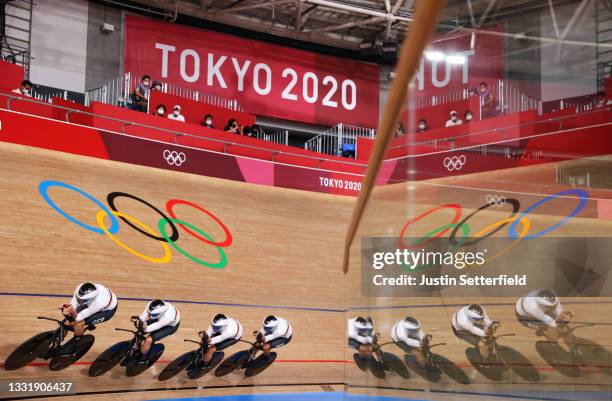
[(160, 110), (473, 92), (232, 127), (247, 131), (157, 86), (256, 131), (601, 100), (25, 88), (487, 101), (176, 114), (468, 116), (454, 120), (399, 130), (422, 125), (208, 121), (140, 97)]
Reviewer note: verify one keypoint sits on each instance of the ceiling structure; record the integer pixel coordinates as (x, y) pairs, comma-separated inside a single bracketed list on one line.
[(345, 23)]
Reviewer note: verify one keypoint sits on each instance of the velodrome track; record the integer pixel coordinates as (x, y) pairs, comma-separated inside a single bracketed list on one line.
[(284, 259)]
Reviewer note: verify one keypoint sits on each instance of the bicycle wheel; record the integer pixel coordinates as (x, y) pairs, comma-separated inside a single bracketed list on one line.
[(29, 350), (109, 358), (135, 367), (260, 364), (176, 366), (232, 363), (392, 362), (377, 368), (71, 352), (195, 372)]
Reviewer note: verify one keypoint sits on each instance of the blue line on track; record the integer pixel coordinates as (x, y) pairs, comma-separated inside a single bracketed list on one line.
[(182, 301)]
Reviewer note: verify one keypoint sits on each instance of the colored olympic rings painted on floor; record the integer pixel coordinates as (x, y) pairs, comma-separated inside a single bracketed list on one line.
[(43, 188), (110, 198), (134, 223), (218, 265), (228, 236), (165, 238)]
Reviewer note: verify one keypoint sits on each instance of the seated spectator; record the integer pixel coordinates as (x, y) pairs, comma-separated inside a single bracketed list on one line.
[(157, 86), (256, 131), (454, 120), (422, 125), (208, 121), (176, 114), (160, 110), (399, 130), (140, 97), (473, 92), (232, 127), (468, 116), (487, 101), (25, 88), (247, 131), (601, 100)]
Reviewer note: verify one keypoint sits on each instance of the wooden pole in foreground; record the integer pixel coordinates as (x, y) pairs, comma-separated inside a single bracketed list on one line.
[(425, 20)]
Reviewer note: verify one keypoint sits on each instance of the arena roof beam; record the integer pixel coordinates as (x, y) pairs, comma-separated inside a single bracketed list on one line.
[(486, 12), (254, 6), (367, 21), (358, 10)]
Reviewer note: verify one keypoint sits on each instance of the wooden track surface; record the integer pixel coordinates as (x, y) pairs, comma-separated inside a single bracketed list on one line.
[(285, 259)]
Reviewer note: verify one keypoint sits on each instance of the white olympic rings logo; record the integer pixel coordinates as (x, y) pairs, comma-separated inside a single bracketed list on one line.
[(495, 200), (174, 158), (454, 163)]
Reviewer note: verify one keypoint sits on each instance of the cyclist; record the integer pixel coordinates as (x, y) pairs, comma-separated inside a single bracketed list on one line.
[(472, 324), (159, 319), (91, 304), (541, 310), (408, 335), (361, 335), (222, 333), (274, 333)]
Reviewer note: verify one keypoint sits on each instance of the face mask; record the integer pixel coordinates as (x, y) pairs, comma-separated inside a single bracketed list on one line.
[(161, 111), (483, 89), (176, 112), (234, 125), (421, 126), (208, 122), (454, 118), (468, 117), (146, 83), (25, 91)]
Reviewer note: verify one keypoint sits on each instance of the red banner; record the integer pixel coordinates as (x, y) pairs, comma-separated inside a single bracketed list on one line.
[(267, 80), (460, 61)]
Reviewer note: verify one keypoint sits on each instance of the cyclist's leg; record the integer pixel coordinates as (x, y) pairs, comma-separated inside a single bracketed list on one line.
[(156, 336), (484, 348), (218, 347), (276, 343)]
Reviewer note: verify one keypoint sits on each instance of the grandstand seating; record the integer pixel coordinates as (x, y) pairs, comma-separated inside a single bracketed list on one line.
[(125, 121)]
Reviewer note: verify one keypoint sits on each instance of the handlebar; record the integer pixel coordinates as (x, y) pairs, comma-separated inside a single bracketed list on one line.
[(193, 341), (51, 319), (128, 330)]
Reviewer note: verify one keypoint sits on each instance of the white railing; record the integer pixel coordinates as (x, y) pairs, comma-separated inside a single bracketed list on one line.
[(118, 92), (509, 97), (48, 98), (281, 137), (331, 142)]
